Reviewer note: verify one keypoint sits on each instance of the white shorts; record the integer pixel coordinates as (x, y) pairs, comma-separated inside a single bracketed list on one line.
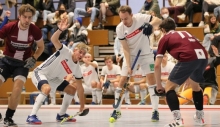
[(53, 84), (88, 90), (146, 63)]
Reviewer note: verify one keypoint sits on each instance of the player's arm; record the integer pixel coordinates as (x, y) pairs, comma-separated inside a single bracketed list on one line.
[(80, 91), (40, 49), (63, 25), (116, 79), (126, 51), (155, 21), (94, 64), (157, 71)]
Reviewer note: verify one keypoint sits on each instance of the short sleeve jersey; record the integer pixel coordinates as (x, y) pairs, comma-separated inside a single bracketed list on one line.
[(59, 65), (111, 74), (182, 46), (89, 73), (19, 42), (135, 38)]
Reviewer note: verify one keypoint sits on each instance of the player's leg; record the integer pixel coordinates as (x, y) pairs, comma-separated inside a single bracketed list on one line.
[(87, 89), (76, 99), (4, 75), (99, 92), (69, 92), (41, 83), (195, 78), (94, 89), (143, 92), (53, 97)]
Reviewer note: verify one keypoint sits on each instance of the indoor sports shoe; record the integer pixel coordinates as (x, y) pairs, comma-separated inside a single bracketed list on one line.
[(199, 117), (93, 103), (60, 118), (8, 122), (116, 114), (175, 123), (33, 120), (155, 116)]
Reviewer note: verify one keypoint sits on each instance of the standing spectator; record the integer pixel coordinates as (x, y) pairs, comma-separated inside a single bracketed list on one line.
[(176, 8), (91, 9), (151, 7), (70, 7), (107, 8), (192, 6)]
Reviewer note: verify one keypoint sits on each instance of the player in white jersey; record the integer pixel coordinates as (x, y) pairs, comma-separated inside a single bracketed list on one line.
[(56, 73), (91, 83), (133, 32), (112, 73), (139, 84)]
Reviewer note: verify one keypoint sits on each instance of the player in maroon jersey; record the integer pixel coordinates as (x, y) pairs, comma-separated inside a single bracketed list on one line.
[(20, 36), (192, 60)]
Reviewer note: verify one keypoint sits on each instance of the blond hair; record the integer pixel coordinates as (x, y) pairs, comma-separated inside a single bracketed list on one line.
[(26, 8), (107, 58), (82, 46)]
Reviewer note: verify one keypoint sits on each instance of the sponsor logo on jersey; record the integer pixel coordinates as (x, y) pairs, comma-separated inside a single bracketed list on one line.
[(165, 73), (138, 76), (30, 38), (20, 45), (66, 67), (111, 76), (133, 33), (87, 73)]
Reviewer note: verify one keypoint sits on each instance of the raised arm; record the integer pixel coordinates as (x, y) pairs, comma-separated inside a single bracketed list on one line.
[(63, 25)]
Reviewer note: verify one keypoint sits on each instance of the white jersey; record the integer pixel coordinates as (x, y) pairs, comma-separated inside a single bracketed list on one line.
[(135, 38), (165, 71), (138, 75), (111, 74), (59, 65), (89, 73)]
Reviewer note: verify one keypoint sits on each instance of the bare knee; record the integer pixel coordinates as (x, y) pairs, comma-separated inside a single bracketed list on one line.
[(46, 89), (115, 84), (93, 84), (122, 81), (151, 79), (170, 86), (195, 86), (143, 86), (70, 89)]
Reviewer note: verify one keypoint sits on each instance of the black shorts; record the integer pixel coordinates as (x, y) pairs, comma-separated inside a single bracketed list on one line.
[(113, 9), (12, 67), (184, 70)]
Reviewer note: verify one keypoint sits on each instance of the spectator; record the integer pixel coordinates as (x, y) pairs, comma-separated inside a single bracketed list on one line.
[(107, 8), (164, 12), (192, 6), (208, 6), (70, 7), (78, 34), (176, 8), (91, 9), (48, 8), (151, 7)]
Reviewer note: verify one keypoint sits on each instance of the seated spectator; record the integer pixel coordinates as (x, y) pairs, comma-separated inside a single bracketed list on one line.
[(209, 86), (217, 12), (119, 54), (48, 8), (176, 8), (78, 34), (155, 39), (164, 12), (192, 6), (70, 7), (37, 4), (91, 85), (138, 85), (107, 8), (91, 9), (151, 7), (212, 29), (111, 73), (208, 6)]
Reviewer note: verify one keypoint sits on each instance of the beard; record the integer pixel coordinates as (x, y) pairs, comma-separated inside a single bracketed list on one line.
[(24, 25)]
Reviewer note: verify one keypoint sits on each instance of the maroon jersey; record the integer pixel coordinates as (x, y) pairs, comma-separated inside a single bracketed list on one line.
[(19, 42), (182, 46)]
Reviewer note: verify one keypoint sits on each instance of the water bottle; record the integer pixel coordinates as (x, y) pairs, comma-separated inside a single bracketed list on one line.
[(23, 89)]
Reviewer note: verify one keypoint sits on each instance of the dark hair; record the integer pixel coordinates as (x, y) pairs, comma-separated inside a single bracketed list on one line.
[(124, 9), (168, 24)]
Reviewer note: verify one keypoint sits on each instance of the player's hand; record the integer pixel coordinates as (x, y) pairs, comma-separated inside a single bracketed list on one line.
[(160, 88), (8, 13), (129, 71), (69, 77), (131, 83), (30, 62), (63, 25), (71, 43)]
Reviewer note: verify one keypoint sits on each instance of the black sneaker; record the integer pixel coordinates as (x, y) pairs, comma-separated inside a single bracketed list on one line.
[(8, 122), (0, 117)]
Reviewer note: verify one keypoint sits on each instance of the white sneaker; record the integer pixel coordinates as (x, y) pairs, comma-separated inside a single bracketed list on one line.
[(199, 118), (175, 123), (201, 24), (206, 15), (90, 26), (190, 25), (181, 17)]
